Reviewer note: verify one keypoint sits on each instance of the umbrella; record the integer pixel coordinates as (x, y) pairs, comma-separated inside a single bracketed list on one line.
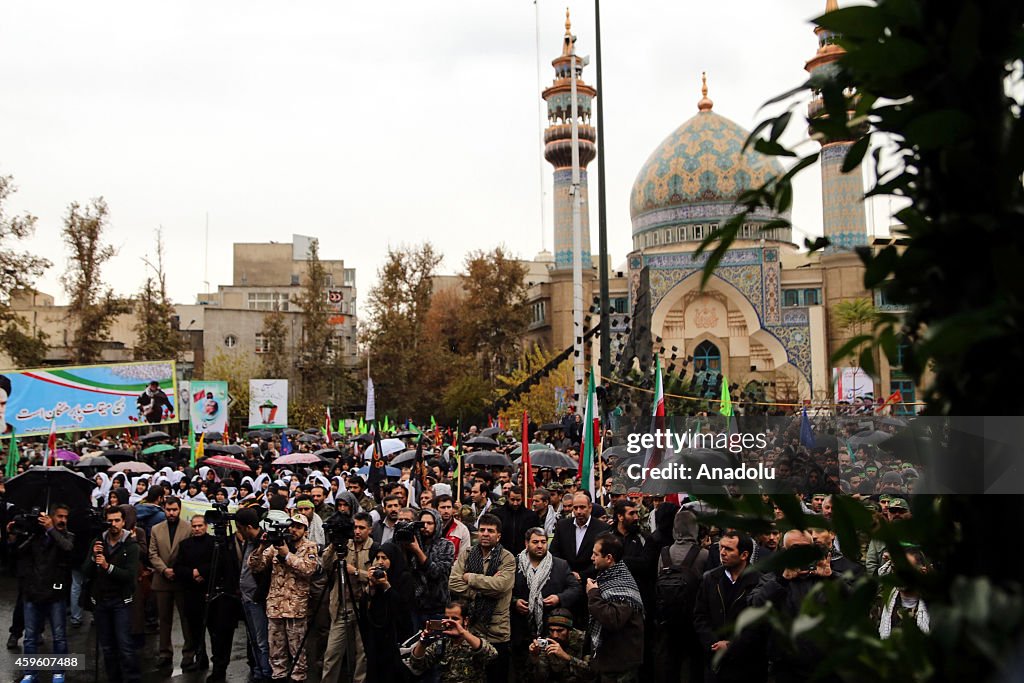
[(227, 462), (480, 441), (93, 461), (535, 446), (871, 438), (118, 454), (64, 454), (388, 472), (489, 459), (229, 449), (213, 436), (361, 438), (154, 436), (40, 486), (311, 430), (297, 459), (491, 432), (328, 453), (387, 447), (291, 432), (309, 438), (157, 448), (409, 456), (556, 460), (132, 467), (894, 421), (551, 426), (406, 435), (615, 452)]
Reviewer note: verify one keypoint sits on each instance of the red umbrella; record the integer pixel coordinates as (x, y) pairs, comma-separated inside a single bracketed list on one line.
[(227, 462), (298, 459)]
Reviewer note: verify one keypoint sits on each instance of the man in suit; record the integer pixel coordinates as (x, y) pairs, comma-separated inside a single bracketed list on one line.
[(164, 542), (574, 542), (543, 583)]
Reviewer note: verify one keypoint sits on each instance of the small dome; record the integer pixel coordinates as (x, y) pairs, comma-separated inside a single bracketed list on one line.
[(697, 174)]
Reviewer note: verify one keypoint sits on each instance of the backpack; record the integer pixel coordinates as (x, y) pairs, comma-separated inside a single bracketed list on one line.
[(676, 588)]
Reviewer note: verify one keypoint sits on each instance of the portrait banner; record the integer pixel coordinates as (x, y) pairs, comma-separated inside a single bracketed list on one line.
[(208, 401)]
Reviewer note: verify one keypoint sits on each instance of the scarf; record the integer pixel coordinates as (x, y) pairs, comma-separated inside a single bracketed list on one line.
[(885, 624), (616, 585), (535, 581), (483, 607)]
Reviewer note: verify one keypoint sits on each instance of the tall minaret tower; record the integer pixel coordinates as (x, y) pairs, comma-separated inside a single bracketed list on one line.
[(558, 150), (842, 194)]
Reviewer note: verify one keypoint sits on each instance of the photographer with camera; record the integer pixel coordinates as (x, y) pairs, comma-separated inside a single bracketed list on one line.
[(449, 645), (44, 574), (430, 557), (293, 560), (384, 614), (345, 637), (559, 656), (112, 569)]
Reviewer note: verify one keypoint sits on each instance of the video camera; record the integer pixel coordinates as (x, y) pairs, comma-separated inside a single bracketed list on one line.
[(275, 528), (339, 530), (219, 518), (406, 531), (27, 523)]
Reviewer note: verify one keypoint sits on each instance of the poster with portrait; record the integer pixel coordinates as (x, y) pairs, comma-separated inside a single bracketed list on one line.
[(87, 397), (268, 403), (208, 406)]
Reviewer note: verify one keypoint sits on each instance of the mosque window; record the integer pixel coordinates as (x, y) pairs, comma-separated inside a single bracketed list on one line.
[(654, 238), (619, 304), (698, 232), (907, 395), (668, 236), (902, 349), (707, 357), (809, 296)]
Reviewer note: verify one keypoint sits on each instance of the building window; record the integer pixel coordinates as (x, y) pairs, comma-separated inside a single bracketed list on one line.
[(902, 349), (654, 238), (349, 275), (810, 296), (707, 357), (698, 232), (268, 301), (231, 341), (682, 234), (539, 312), (262, 343), (619, 304), (907, 395), (668, 236), (295, 280)]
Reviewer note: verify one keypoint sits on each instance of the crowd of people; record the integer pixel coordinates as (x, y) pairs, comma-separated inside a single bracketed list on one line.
[(437, 575)]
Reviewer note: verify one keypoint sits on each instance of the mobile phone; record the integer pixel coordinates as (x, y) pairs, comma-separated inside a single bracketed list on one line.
[(435, 625)]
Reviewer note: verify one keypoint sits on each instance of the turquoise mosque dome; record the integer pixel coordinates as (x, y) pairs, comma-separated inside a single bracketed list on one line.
[(691, 182)]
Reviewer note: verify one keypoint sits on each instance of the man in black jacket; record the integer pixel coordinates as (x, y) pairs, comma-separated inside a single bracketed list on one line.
[(724, 592), (210, 593), (543, 583), (574, 537), (44, 570), (516, 519), (113, 569)]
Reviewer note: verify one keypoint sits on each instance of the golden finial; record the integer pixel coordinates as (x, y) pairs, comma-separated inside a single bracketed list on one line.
[(704, 104), (568, 24), (831, 6)]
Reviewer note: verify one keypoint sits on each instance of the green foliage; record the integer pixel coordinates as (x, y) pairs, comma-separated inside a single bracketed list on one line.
[(940, 85), (93, 306), (539, 399), (25, 349), (276, 361)]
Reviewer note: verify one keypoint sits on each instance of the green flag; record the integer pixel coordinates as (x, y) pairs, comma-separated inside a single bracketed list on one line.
[(12, 458), (726, 407)]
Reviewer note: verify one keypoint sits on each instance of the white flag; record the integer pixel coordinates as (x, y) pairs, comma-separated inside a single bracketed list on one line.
[(371, 401)]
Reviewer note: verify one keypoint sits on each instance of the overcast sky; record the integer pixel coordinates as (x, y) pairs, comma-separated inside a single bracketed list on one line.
[(363, 124)]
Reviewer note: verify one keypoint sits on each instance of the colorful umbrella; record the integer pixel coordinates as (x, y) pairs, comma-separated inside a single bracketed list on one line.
[(227, 462), (158, 448), (132, 467), (297, 459), (63, 454)]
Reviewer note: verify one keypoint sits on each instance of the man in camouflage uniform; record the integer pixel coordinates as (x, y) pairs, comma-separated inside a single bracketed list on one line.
[(460, 656), (294, 564), (562, 659)]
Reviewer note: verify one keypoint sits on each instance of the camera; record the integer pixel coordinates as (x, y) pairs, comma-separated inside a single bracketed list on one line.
[(339, 530), (543, 643), (27, 523), (275, 526), (405, 532), (378, 573), (219, 515)]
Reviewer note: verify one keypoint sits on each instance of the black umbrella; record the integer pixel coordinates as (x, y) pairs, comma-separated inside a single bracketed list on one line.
[(41, 486), (291, 432), (254, 434), (118, 454), (870, 438), (228, 449), (405, 435), (93, 462), (555, 460), (616, 452), (551, 426), (361, 438), (409, 456), (311, 430), (324, 453), (154, 436), (491, 432), (308, 438), (480, 441), (488, 459), (213, 436)]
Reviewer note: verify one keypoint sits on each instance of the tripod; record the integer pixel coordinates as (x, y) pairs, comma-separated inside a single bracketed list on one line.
[(214, 590)]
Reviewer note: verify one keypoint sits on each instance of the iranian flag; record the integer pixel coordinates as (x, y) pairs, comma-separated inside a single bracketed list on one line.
[(588, 449), (654, 455), (327, 428), (51, 444), (527, 468)]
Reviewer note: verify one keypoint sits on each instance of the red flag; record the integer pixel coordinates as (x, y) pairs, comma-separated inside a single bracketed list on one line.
[(328, 439), (51, 443), (527, 467), (654, 455)]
